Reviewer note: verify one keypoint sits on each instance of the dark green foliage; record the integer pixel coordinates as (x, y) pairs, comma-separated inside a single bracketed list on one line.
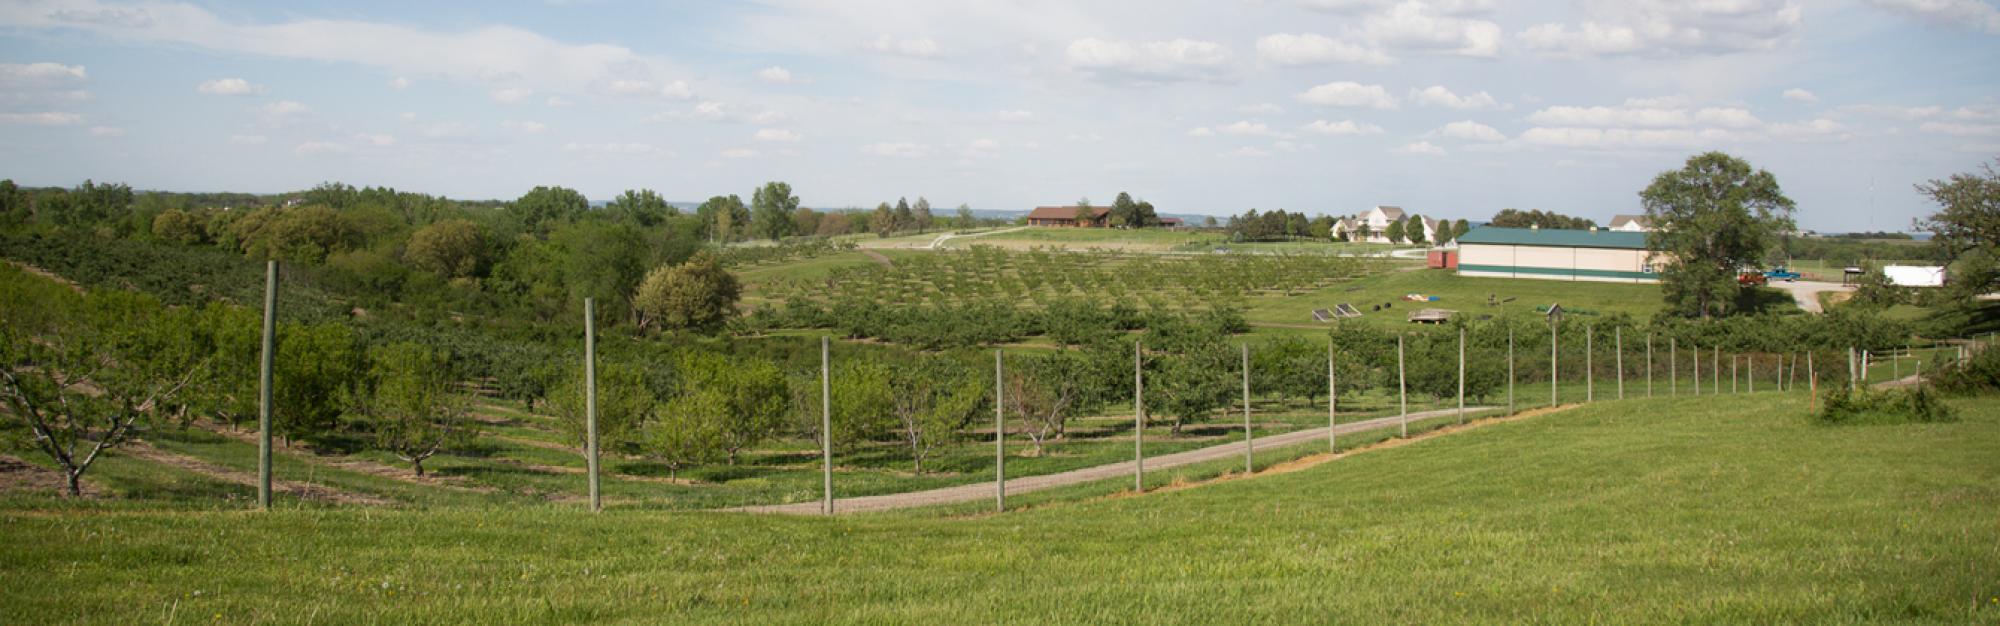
[(1978, 374), (1516, 218), (543, 209), (1910, 405), (1712, 217), (771, 209)]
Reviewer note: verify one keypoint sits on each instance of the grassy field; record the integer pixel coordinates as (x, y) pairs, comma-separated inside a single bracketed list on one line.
[(1467, 295), (1669, 510)]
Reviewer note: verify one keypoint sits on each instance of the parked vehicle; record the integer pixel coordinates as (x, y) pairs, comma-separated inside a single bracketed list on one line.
[(1752, 279), (1782, 273)]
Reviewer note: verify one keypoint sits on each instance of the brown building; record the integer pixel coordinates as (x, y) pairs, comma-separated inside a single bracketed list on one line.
[(1095, 217)]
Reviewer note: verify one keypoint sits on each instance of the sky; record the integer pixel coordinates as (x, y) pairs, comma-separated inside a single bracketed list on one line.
[(1448, 108)]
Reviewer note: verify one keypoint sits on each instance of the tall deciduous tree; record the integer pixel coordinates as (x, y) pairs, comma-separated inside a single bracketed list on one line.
[(697, 295), (965, 218), (882, 221), (542, 209), (640, 206), (1395, 231), (1714, 215), (920, 214), (1966, 228), (722, 217), (454, 248), (771, 208), (905, 219)]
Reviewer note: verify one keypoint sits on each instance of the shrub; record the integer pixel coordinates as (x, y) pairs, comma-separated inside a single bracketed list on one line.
[(1893, 406), (1981, 373)]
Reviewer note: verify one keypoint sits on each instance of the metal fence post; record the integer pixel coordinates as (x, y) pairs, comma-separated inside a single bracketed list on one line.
[(1649, 365), (1402, 391), (1510, 370), (270, 349), (590, 397), (1696, 369), (1332, 398), (1554, 365), (1673, 366), (1618, 345), (1714, 370), (1249, 445), (826, 425), (999, 437), (1812, 385), (1589, 371)]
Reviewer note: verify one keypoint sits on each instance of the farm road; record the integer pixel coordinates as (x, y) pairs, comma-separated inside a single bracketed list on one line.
[(983, 491), (1807, 292), (939, 242)]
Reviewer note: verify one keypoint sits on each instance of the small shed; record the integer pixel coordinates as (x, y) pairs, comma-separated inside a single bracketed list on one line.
[(1431, 316), (1441, 259)]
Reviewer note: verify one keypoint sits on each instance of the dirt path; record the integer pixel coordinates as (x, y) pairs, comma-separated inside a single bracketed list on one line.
[(19, 475), (301, 452), (1806, 292), (981, 491), (877, 256), (304, 490), (939, 242)]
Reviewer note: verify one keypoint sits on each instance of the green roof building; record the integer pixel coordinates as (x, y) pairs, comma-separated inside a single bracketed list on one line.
[(1556, 254)]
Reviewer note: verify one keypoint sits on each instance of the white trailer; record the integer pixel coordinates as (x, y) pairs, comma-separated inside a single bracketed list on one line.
[(1914, 275)]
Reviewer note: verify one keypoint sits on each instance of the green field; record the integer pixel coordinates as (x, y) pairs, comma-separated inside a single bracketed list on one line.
[(1669, 510), (1467, 295)]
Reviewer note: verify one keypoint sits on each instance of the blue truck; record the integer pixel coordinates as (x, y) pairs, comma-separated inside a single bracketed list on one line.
[(1782, 273)]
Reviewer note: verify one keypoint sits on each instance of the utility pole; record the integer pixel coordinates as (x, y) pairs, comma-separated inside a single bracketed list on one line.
[(1138, 418), (1249, 446), (590, 396), (270, 349), (826, 425)]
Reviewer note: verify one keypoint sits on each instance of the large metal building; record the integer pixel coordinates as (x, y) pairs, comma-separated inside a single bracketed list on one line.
[(1598, 255)]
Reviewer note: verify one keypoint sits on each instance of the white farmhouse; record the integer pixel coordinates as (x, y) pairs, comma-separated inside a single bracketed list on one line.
[(1631, 223)]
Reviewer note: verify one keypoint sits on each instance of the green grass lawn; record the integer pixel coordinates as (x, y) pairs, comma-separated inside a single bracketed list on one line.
[(1669, 510), (1467, 295)]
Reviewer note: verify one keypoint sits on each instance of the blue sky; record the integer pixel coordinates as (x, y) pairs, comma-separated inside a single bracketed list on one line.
[(1453, 108)]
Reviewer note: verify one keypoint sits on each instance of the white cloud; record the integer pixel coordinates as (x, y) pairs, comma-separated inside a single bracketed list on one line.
[(1262, 108), (1201, 131), (776, 134), (106, 131), (1623, 138), (1727, 118), (897, 149), (775, 75), (1421, 148), (1421, 26), (48, 118), (1821, 128), (676, 90), (40, 74), (248, 140), (738, 153), (485, 55), (980, 148), (311, 148), (377, 140), (1601, 116), (918, 47), (284, 108), (529, 127), (511, 95), (1247, 128), (1343, 127), (1972, 14), (1246, 152), (712, 111), (557, 102), (1800, 95), (1671, 27), (1151, 61), (613, 148), (228, 87), (1471, 131), (1438, 95), (1016, 116), (399, 83), (1962, 130), (1893, 111), (1312, 49), (1349, 94)]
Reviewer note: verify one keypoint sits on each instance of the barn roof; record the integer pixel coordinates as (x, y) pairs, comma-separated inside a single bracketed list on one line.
[(1065, 212)]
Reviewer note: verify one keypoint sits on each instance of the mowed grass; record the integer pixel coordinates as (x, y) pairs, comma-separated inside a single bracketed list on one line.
[(1733, 510), (1465, 294)]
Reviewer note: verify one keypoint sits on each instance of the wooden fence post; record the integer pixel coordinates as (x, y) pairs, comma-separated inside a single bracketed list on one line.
[(1510, 370), (1696, 369), (1618, 344), (1589, 371), (270, 349), (1332, 398), (1649, 365), (1554, 365), (1714, 370), (1673, 366), (826, 423), (1138, 418), (1402, 391), (590, 397), (999, 440), (1812, 385), (1249, 443), (1461, 375)]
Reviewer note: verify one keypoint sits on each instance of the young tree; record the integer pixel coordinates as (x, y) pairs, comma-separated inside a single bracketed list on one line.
[(771, 210), (454, 248), (1460, 229), (721, 216), (1714, 215), (1966, 229), (687, 430), (834, 224), (751, 393), (625, 400), (1396, 232), (965, 218), (82, 373), (1413, 229), (883, 220), (905, 220), (697, 295), (1046, 391), (935, 397), (413, 403)]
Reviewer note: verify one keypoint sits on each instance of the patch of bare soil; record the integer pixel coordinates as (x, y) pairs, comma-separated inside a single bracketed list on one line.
[(305, 490), (306, 453), (878, 257), (19, 475)]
